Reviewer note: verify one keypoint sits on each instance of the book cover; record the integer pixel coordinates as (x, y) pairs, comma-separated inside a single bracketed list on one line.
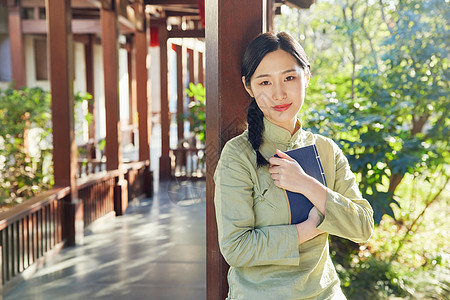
[(308, 158)]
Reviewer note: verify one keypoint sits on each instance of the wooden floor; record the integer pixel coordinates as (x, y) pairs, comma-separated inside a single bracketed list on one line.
[(157, 250)]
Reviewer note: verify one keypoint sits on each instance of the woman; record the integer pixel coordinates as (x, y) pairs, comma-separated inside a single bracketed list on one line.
[(270, 258)]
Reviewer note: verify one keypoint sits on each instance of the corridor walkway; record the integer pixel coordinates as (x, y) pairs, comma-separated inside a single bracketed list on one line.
[(155, 251)]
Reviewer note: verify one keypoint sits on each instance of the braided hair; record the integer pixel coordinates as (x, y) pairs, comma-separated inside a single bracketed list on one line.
[(254, 54)]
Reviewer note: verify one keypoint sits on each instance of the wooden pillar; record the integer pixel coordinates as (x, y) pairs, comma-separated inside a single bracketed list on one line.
[(226, 106), (192, 77), (109, 23), (201, 69), (89, 61), (268, 15), (164, 160), (17, 46), (61, 63), (181, 85), (141, 47), (132, 83)]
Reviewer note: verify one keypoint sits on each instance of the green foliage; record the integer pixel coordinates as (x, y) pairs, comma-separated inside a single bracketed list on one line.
[(23, 174), (25, 118), (379, 88), (197, 111)]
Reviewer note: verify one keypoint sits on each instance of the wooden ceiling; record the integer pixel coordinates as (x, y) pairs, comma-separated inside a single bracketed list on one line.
[(182, 16)]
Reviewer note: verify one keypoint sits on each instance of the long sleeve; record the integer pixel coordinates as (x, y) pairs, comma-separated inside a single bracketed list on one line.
[(347, 214), (241, 244)]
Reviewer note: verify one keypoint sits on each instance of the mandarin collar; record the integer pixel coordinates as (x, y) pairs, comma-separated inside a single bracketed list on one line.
[(278, 135)]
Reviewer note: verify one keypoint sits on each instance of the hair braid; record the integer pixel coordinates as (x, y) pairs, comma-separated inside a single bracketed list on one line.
[(255, 130)]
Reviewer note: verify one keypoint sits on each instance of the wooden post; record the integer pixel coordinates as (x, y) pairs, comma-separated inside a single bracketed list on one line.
[(141, 47), (60, 45), (89, 61), (132, 83), (201, 69), (191, 66), (181, 75), (226, 106), (113, 151), (164, 160), (17, 46)]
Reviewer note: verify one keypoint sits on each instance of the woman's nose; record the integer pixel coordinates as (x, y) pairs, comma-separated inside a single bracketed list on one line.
[(279, 93)]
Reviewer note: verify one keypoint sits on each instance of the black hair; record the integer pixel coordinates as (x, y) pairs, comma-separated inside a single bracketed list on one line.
[(254, 54)]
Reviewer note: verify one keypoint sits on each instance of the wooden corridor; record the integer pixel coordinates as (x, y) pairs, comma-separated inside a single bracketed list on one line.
[(157, 250)]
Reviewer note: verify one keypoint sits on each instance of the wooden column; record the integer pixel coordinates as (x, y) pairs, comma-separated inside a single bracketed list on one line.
[(110, 33), (89, 61), (164, 160), (228, 22), (61, 63), (132, 98), (141, 47), (201, 69), (17, 47), (181, 85), (191, 60)]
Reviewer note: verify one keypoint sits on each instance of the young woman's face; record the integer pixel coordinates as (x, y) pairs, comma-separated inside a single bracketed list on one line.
[(278, 86)]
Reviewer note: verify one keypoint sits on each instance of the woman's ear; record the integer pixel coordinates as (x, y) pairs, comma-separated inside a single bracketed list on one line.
[(247, 88)]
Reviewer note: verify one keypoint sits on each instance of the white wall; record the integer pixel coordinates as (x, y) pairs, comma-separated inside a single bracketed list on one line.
[(154, 79)]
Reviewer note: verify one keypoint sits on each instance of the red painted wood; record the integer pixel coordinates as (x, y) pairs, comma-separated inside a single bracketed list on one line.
[(226, 106), (164, 160), (143, 107), (89, 63), (181, 86), (131, 53), (110, 47), (61, 83), (17, 47), (201, 69)]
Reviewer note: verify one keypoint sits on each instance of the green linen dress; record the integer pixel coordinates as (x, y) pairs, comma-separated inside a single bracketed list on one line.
[(252, 214)]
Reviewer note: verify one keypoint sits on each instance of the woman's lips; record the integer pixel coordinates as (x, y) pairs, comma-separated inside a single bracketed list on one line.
[(282, 107)]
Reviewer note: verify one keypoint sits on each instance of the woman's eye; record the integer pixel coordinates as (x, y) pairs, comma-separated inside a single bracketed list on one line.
[(265, 83), (289, 78)]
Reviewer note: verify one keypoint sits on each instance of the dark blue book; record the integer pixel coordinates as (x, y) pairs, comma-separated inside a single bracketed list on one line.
[(308, 158)]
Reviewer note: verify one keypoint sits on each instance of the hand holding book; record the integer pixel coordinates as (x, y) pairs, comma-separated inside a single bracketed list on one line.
[(287, 173), (299, 172)]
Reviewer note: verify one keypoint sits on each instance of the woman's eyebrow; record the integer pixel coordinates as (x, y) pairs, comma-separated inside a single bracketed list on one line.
[(268, 75)]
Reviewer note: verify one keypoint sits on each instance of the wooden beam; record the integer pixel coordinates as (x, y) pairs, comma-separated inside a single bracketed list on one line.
[(225, 110), (141, 47), (164, 160), (74, 4), (171, 2), (17, 47), (78, 27), (61, 62), (110, 45), (193, 33), (170, 13)]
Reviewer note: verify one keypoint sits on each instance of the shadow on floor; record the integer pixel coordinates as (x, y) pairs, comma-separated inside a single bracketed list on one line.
[(157, 250)]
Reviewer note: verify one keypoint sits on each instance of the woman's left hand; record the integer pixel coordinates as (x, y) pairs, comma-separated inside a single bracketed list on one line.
[(287, 173)]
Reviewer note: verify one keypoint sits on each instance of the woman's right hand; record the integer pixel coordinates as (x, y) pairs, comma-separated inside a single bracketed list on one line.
[(307, 230)]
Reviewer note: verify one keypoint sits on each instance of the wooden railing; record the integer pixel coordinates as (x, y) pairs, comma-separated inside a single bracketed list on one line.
[(87, 167), (97, 194), (188, 163), (29, 231), (138, 179)]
